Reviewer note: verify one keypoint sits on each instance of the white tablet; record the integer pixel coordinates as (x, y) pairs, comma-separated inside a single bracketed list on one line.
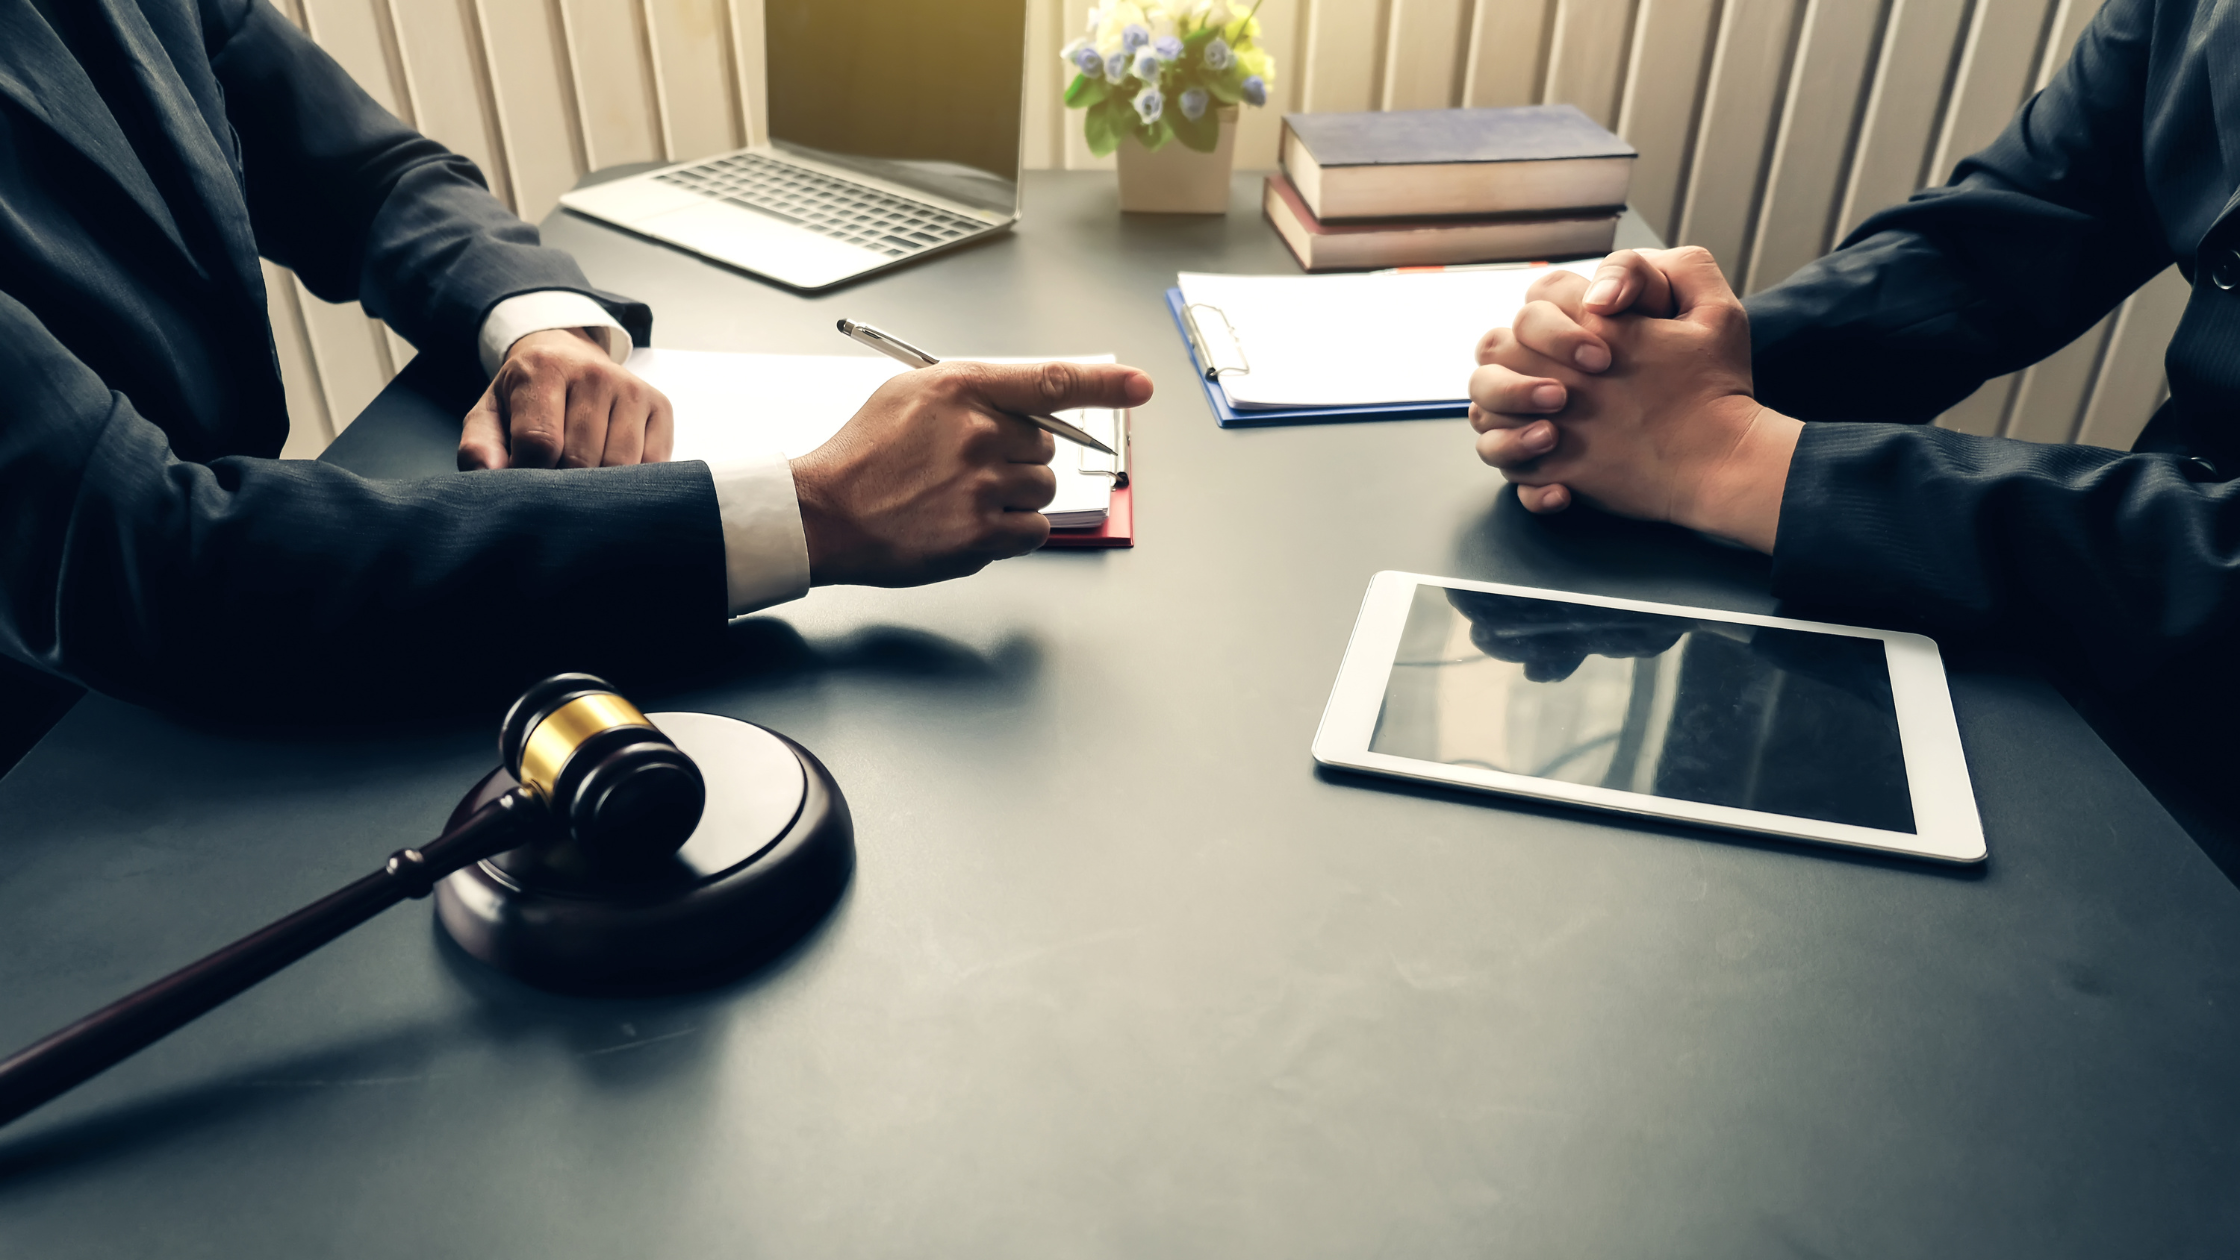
[(1786, 728)]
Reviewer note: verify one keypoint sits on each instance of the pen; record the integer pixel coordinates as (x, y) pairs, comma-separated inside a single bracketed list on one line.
[(903, 352)]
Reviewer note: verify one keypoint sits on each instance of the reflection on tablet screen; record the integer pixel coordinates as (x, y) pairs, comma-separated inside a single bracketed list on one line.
[(1786, 721)]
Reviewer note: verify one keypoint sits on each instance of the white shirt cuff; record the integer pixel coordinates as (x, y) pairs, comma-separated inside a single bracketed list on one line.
[(765, 550), (524, 313)]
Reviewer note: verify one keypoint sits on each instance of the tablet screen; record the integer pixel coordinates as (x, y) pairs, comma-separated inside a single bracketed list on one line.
[(1786, 721)]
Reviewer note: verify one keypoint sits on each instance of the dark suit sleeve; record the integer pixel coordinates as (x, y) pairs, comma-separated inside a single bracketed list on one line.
[(2113, 558), (361, 206), (255, 586), (2034, 240)]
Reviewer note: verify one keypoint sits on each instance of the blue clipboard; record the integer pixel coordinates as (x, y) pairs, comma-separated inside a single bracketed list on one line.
[(1230, 418)]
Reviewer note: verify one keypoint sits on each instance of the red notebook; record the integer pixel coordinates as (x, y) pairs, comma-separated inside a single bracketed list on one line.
[(1118, 530)]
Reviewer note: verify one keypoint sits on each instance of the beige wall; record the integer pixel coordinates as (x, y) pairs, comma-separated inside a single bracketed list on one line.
[(1767, 128)]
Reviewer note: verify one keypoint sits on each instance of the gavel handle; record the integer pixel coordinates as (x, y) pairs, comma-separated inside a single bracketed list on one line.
[(63, 1060)]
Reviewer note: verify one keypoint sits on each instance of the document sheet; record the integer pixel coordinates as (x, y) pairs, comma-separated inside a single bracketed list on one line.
[(729, 406), (1357, 340)]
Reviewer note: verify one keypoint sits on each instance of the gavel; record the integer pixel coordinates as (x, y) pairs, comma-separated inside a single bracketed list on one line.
[(583, 862)]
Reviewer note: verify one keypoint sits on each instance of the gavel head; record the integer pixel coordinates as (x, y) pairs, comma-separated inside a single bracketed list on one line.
[(621, 797)]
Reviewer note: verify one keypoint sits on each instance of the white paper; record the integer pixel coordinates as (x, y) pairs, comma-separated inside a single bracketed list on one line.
[(1359, 340), (733, 405)]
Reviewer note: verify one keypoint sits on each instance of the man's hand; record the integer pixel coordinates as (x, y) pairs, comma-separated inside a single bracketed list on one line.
[(1640, 415), (558, 401), (937, 475)]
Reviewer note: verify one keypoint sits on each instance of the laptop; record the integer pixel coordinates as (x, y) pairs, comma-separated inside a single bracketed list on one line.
[(894, 135)]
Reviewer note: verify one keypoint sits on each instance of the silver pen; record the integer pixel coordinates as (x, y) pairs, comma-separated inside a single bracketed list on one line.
[(903, 352)]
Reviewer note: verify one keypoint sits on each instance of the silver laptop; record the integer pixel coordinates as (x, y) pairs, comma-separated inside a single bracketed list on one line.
[(894, 134)]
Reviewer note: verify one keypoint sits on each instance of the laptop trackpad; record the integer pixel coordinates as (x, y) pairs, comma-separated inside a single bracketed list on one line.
[(760, 243)]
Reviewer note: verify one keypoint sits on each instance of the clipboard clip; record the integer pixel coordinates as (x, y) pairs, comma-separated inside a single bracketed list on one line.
[(1219, 354)]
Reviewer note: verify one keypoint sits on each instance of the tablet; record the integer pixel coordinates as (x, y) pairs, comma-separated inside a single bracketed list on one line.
[(1798, 729)]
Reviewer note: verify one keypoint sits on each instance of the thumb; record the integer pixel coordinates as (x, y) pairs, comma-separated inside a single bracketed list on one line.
[(1697, 283), (1050, 387), (482, 438)]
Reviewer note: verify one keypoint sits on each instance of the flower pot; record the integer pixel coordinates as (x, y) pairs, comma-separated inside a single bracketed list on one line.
[(1175, 178)]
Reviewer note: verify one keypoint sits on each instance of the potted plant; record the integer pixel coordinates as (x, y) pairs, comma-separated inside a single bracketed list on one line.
[(1149, 74)]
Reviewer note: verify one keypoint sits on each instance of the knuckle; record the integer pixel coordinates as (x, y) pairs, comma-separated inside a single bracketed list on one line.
[(1057, 383)]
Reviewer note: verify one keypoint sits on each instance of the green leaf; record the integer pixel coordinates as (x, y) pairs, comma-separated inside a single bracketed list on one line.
[(1198, 39), (1203, 135), (1156, 135), (1085, 91), (1226, 88), (1105, 125)]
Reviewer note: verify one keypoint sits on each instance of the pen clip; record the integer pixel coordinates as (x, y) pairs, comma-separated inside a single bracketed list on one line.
[(1209, 360)]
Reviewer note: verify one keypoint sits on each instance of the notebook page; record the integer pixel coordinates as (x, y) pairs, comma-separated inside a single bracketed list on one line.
[(1356, 340), (730, 406)]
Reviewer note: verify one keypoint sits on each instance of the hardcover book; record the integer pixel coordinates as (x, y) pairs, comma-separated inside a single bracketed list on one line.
[(1429, 162), (1323, 246)]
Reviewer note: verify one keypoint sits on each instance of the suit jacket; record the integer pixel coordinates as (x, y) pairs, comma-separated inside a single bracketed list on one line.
[(2123, 570), (154, 548)]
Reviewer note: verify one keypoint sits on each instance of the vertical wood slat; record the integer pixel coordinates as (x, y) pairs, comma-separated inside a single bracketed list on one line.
[(2050, 399), (1042, 134), (309, 429), (1343, 51), (1587, 56), (1748, 76), (1997, 69), (1506, 53), (1984, 412), (1805, 176), (2131, 381), (1920, 48), (750, 79), (1260, 131), (525, 49), (448, 85), (700, 107), (611, 56), (1421, 69), (1671, 56)]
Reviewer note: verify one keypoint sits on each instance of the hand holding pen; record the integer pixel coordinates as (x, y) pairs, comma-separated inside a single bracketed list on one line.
[(903, 352)]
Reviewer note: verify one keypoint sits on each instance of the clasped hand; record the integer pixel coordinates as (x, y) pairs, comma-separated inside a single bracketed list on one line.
[(1632, 392), (934, 477)]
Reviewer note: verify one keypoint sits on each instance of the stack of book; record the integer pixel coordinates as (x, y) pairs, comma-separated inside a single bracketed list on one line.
[(1427, 187)]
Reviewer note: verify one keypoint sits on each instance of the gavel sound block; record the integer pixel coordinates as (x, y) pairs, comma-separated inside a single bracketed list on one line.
[(610, 852), (773, 849)]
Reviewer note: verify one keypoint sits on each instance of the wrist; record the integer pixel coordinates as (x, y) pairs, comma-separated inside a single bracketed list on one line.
[(1739, 497)]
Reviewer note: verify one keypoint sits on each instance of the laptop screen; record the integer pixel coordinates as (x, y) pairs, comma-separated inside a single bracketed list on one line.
[(921, 92)]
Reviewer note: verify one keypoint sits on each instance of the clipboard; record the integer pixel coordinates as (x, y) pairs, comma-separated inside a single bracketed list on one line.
[(1191, 322)]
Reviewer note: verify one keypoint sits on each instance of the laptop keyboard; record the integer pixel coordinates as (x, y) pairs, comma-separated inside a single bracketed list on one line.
[(894, 226)]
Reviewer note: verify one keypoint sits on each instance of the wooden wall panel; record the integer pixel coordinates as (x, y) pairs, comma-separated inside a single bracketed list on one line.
[(691, 59), (1423, 66), (526, 49), (612, 62), (1767, 128), (747, 68), (1984, 412), (1587, 56), (1260, 131), (1920, 50), (446, 82), (1042, 130), (1670, 61), (2131, 383), (1749, 73), (1344, 56), (1998, 67), (1833, 64), (1506, 52), (2050, 399), (309, 429)]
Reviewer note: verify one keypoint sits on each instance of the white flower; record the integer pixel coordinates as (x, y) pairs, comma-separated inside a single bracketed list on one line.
[(1149, 105), (1193, 104), (1148, 66), (1218, 54)]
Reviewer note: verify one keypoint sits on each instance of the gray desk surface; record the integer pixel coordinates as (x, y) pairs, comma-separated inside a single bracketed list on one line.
[(1120, 974)]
